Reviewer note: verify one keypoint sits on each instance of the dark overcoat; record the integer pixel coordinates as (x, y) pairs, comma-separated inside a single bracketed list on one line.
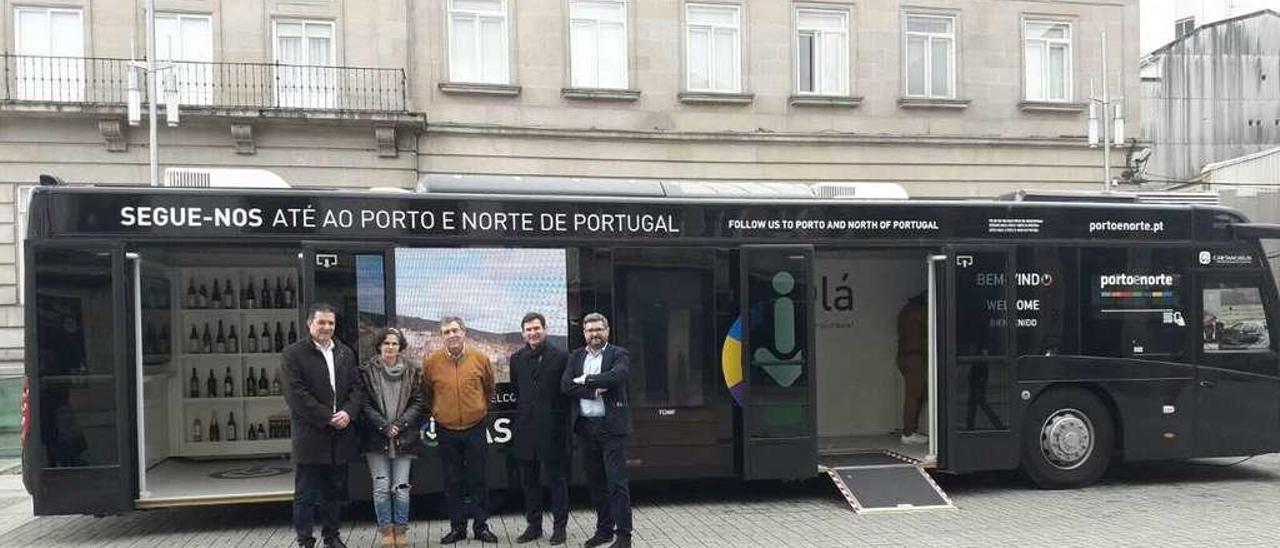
[(613, 379), (312, 400), (542, 409)]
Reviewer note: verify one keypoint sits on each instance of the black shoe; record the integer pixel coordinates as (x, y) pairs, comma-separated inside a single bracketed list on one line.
[(485, 535), (557, 537), (307, 543), (624, 541), (601, 538), (530, 534), (454, 536), (334, 542)]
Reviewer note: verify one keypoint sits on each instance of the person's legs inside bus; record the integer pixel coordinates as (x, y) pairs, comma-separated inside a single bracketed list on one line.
[(913, 397)]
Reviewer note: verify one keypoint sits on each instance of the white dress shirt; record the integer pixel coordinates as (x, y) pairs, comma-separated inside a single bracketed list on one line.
[(328, 360), (593, 407)]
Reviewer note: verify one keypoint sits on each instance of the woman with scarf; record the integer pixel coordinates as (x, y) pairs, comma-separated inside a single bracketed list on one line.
[(393, 413)]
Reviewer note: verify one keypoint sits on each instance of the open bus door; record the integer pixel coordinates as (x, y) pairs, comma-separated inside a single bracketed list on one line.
[(975, 351), (357, 279), (80, 455), (779, 438)]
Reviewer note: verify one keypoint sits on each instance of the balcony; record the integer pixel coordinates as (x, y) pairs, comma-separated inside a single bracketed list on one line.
[(99, 87)]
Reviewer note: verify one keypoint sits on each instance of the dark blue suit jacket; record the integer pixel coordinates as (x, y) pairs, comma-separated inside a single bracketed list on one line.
[(615, 372)]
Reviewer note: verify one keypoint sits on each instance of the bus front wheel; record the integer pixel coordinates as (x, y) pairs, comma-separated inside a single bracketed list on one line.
[(1067, 439)]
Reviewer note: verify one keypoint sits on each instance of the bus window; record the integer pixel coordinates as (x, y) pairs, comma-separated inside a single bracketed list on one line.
[(1233, 325), (1136, 304), (982, 318), (1047, 304)]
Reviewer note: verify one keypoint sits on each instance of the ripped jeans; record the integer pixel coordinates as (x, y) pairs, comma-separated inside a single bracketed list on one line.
[(390, 488)]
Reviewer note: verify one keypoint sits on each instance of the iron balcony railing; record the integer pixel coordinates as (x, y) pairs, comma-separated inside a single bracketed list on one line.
[(105, 81)]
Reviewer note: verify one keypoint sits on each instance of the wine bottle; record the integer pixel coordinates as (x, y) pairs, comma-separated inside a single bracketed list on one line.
[(279, 335), (194, 390), (266, 295), (275, 384), (228, 296), (264, 387), (279, 295), (289, 294), (251, 342), (264, 339), (250, 298), (191, 294), (228, 385), (213, 428), (233, 341), (197, 431), (293, 332), (262, 434), (193, 342), (165, 336), (206, 341), (216, 300), (231, 426), (202, 298), (220, 342), (211, 386), (250, 385), (250, 434)]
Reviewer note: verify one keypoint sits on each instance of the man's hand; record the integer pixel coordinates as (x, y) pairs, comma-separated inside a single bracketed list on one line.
[(600, 392), (340, 420), (392, 431), (582, 379)]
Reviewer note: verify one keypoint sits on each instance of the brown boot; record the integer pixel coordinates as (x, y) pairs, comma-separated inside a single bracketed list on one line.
[(402, 537), (388, 536)]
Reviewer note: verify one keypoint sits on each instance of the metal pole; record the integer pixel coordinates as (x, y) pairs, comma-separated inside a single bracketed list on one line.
[(1106, 120), (934, 262), (154, 154), (139, 381)]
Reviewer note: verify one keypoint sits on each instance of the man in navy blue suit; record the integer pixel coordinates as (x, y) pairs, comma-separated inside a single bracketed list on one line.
[(599, 412)]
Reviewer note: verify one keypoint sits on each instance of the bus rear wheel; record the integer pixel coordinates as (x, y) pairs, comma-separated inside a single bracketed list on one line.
[(1067, 439)]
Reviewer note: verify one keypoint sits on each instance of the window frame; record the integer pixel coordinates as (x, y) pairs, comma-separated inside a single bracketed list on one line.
[(1068, 77), (326, 97), (689, 26), (952, 57), (846, 76), (41, 93), (199, 76), (1180, 24), (453, 58), (625, 16)]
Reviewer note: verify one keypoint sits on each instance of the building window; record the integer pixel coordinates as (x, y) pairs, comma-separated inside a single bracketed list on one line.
[(598, 44), (931, 55), (478, 41), (309, 80), (1048, 61), (188, 41), (50, 46), (714, 48), (822, 52), (1183, 27)]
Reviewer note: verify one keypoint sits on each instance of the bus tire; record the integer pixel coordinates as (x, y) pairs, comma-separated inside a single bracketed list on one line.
[(1067, 440)]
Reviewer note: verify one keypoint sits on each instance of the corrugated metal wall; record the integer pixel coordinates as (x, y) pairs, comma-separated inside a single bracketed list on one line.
[(1218, 97)]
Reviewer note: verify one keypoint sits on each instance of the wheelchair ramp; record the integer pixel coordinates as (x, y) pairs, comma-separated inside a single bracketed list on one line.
[(879, 482)]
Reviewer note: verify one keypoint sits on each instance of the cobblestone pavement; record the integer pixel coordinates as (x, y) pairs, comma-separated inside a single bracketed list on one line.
[(1166, 504)]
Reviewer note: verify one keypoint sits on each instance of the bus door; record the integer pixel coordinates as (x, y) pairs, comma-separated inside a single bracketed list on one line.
[(358, 280), (976, 305), (779, 439), (1237, 365), (80, 452)]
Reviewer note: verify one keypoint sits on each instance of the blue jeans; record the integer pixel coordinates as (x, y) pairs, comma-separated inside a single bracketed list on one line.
[(390, 488)]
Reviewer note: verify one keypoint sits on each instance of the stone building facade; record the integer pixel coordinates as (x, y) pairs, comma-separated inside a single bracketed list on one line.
[(950, 98)]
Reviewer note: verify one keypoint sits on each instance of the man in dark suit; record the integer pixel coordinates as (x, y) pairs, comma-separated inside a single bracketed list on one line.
[(323, 390), (596, 382), (542, 417)]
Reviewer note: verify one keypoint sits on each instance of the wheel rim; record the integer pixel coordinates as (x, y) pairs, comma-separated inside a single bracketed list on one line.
[(1066, 439)]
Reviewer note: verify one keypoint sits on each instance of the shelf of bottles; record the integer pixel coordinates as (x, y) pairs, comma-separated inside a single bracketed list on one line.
[(235, 323)]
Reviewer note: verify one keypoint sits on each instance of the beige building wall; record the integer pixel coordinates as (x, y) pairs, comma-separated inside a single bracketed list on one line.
[(987, 142)]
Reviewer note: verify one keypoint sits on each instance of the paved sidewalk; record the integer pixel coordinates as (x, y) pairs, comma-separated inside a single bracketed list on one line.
[(1167, 504)]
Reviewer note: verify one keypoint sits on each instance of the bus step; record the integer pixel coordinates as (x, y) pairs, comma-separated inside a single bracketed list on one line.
[(878, 482)]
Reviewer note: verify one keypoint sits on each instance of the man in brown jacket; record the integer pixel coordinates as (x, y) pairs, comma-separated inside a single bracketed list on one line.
[(458, 382)]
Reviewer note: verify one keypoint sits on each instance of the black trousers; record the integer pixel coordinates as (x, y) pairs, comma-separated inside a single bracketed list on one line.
[(604, 456), (557, 482), (319, 491), (462, 460)]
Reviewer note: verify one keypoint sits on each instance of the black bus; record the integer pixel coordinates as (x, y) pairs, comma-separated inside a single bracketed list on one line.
[(1061, 335)]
